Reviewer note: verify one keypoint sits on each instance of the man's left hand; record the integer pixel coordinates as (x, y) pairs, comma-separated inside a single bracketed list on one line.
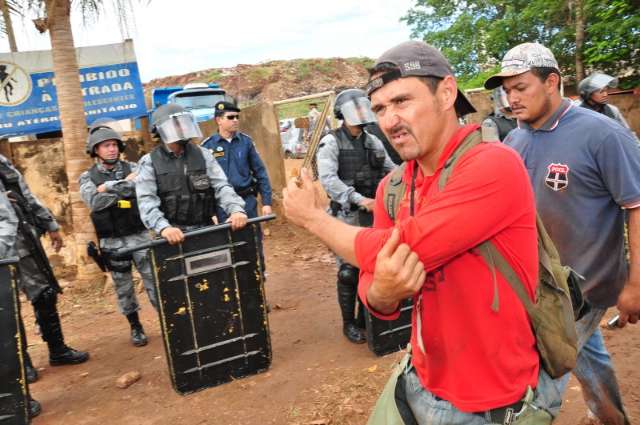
[(238, 220), (56, 240), (301, 203), (266, 210), (629, 303)]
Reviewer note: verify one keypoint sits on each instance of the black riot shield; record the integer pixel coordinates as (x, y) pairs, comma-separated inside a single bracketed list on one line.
[(212, 306), (388, 336), (14, 393)]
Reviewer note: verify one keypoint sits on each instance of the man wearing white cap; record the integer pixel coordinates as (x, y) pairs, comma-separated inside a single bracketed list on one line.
[(584, 168)]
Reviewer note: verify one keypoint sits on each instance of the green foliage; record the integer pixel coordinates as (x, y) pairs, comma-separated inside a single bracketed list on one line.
[(298, 109), (475, 34), (214, 76)]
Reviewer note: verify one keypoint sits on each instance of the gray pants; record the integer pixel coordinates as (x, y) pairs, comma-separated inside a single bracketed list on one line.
[(123, 280), (348, 217)]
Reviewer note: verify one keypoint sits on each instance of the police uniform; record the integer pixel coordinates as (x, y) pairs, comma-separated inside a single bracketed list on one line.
[(117, 222), (349, 169), (182, 190), (8, 227), (36, 278), (244, 169)]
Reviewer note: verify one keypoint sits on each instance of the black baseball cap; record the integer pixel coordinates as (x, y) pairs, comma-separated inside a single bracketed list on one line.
[(224, 106), (417, 59)]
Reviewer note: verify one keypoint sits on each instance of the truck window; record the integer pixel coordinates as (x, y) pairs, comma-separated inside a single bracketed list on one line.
[(198, 100)]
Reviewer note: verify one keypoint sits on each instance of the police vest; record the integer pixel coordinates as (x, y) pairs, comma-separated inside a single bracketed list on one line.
[(505, 125), (186, 195), (601, 108), (360, 162), (120, 219)]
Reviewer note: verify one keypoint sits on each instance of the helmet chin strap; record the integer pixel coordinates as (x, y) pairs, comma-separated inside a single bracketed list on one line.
[(109, 161)]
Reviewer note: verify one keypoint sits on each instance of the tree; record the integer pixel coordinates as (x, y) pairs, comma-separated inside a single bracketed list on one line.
[(8, 8), (57, 21), (475, 34)]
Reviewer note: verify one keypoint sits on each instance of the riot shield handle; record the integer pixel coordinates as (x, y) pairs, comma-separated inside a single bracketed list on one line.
[(120, 253)]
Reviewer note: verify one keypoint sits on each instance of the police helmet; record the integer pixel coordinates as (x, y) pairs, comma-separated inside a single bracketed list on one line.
[(99, 133), (594, 82), (354, 107), (173, 123)]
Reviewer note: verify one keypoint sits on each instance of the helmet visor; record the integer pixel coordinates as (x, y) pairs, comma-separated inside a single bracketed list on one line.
[(358, 111), (180, 126)]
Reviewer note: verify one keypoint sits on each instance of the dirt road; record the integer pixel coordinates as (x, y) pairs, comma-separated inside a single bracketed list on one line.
[(317, 377)]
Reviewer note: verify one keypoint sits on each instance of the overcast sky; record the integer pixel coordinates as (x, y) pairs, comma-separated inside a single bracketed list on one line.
[(173, 37)]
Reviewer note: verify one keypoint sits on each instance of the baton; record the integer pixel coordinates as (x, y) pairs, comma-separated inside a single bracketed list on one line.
[(204, 230)]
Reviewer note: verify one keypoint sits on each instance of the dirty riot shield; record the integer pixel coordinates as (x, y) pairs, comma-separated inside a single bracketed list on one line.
[(212, 305), (389, 336), (14, 393)]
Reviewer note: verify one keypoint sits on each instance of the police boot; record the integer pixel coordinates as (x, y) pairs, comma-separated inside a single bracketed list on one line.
[(49, 322), (34, 408), (347, 294), (138, 338)]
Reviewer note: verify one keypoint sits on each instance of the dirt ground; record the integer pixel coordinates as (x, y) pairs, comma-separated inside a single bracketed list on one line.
[(317, 377)]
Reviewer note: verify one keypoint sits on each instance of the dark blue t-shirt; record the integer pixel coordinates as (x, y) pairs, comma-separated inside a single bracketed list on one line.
[(585, 169), (241, 163)]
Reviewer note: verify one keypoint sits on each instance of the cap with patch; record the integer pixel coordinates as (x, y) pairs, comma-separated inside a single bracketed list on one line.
[(224, 106), (417, 59), (521, 59)]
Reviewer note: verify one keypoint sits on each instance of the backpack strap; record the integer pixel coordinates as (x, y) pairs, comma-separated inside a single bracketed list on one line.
[(469, 142), (394, 191), (495, 260)]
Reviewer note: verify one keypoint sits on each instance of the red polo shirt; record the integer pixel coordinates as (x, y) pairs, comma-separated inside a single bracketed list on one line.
[(476, 358)]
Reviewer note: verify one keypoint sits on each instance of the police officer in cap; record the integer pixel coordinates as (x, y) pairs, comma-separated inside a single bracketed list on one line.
[(594, 95), (179, 184), (351, 163), (108, 190), (501, 121), (36, 278), (236, 154)]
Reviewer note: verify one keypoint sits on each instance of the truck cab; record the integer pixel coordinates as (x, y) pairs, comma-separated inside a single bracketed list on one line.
[(199, 98)]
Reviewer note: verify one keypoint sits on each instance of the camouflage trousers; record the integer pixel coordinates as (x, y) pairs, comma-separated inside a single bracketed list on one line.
[(122, 275)]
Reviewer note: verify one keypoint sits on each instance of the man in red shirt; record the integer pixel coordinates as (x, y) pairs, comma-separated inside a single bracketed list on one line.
[(474, 359)]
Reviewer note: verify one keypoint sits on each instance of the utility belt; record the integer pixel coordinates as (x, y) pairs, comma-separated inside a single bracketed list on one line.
[(365, 218), (337, 207), (248, 191)]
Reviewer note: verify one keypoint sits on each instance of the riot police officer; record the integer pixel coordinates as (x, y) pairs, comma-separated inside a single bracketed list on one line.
[(237, 156), (36, 278), (179, 184), (501, 121), (108, 190), (594, 95), (351, 163)]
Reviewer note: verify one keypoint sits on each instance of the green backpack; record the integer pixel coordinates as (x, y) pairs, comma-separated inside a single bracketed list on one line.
[(553, 315)]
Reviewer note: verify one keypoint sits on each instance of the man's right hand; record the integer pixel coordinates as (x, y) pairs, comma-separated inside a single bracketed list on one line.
[(173, 235), (368, 204), (399, 274)]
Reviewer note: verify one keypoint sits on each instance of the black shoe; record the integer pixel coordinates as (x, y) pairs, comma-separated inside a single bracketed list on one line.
[(68, 356), (34, 408), (31, 372), (353, 333), (138, 338)]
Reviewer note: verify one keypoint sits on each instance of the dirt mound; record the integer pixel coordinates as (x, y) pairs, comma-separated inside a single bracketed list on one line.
[(277, 80)]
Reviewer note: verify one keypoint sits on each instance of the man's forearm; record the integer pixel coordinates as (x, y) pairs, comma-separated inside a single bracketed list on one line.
[(634, 246), (338, 236)]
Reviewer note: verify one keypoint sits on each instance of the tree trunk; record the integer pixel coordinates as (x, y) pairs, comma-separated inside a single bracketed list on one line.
[(6, 16), (74, 128), (580, 23)]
